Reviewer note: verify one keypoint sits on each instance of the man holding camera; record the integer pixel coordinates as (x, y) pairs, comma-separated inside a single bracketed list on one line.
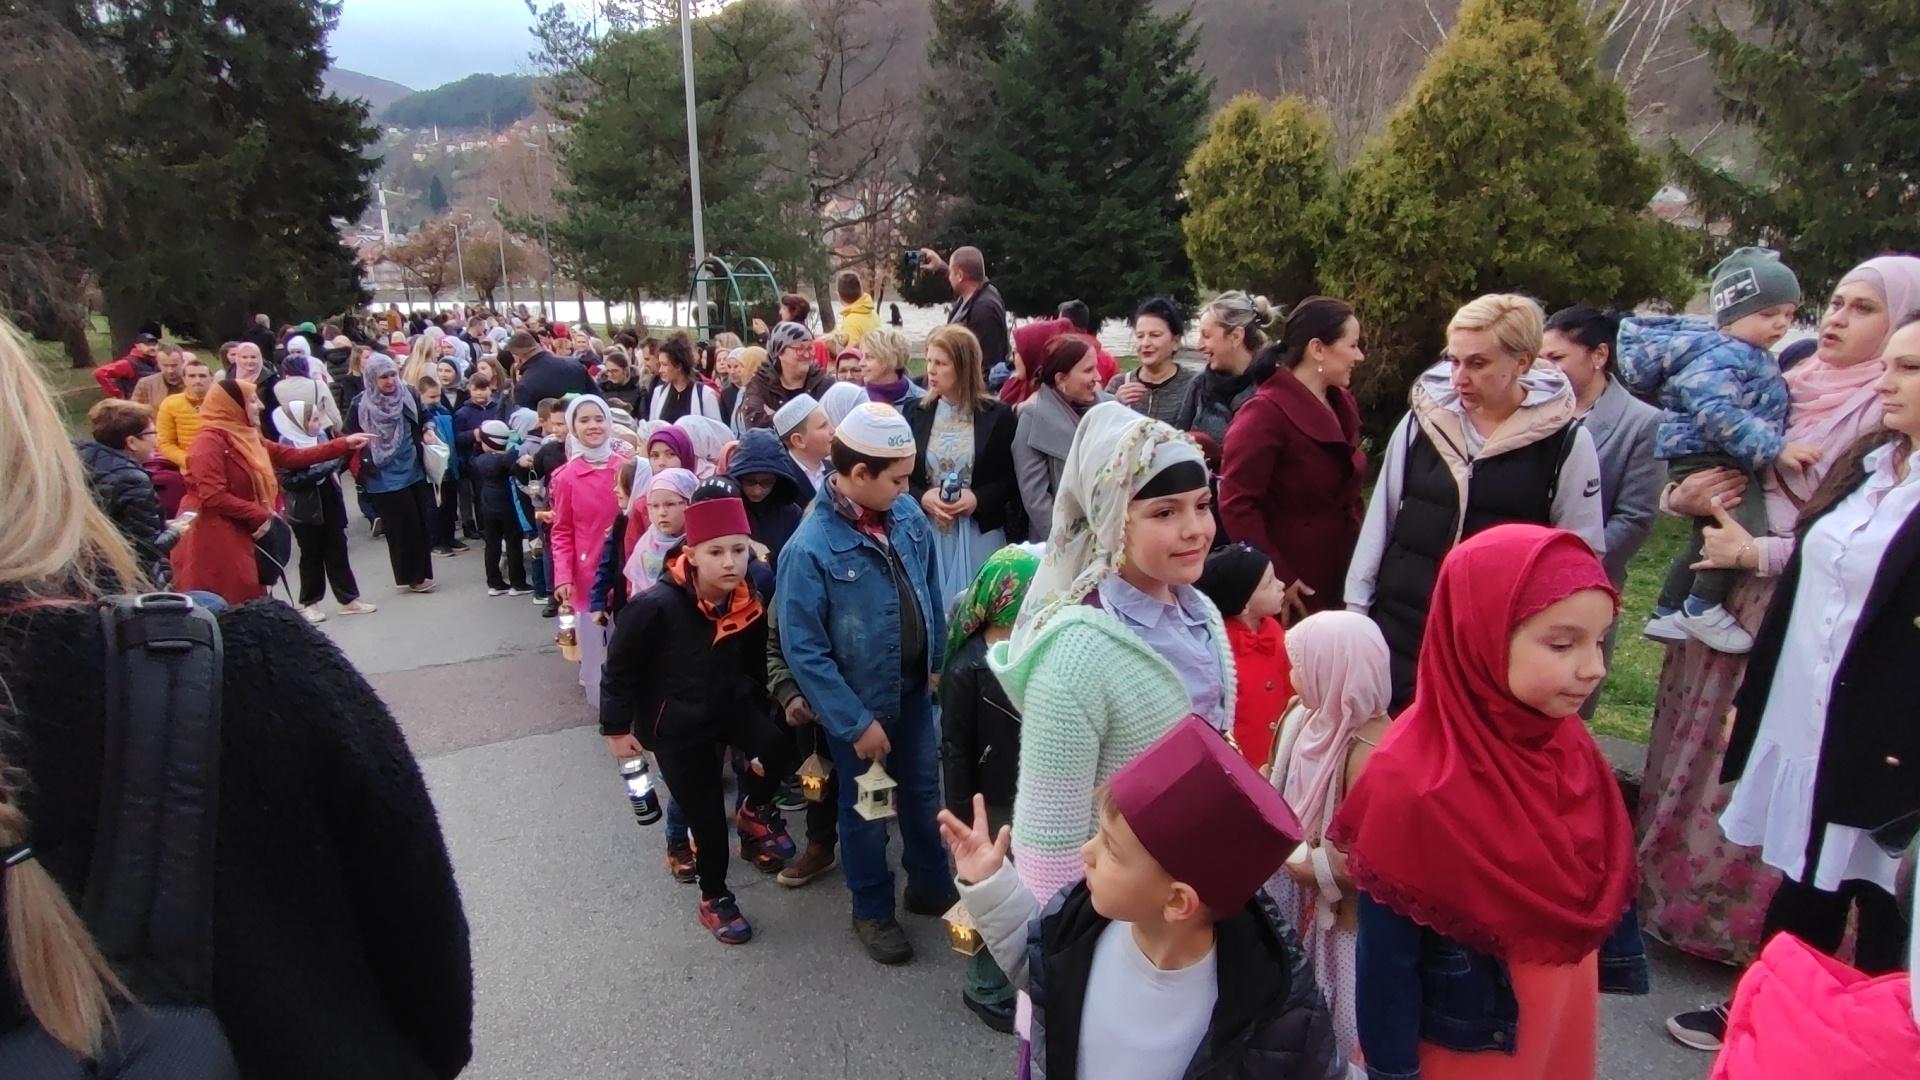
[(976, 303)]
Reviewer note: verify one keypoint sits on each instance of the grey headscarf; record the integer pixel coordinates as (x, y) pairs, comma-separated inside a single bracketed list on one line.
[(387, 415)]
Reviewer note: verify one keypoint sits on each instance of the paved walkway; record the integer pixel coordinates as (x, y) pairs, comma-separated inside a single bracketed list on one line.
[(587, 959)]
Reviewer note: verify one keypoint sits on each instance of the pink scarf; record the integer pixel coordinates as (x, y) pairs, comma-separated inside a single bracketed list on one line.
[(1340, 665), (1833, 406)]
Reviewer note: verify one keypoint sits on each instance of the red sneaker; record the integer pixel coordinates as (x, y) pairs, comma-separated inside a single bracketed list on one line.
[(680, 863), (722, 918), (763, 838)]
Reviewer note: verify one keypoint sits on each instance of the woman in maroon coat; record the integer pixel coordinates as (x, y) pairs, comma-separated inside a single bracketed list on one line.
[(231, 482), (1292, 467)]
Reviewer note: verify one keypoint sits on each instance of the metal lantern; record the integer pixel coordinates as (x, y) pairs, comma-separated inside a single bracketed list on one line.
[(813, 775), (567, 640), (875, 791), (962, 934)]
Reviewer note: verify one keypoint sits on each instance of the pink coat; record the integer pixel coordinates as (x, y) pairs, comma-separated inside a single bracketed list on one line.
[(583, 511), (1800, 1013)]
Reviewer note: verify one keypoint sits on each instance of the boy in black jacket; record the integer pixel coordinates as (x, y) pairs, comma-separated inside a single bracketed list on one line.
[(685, 675), (1168, 960), (492, 470)]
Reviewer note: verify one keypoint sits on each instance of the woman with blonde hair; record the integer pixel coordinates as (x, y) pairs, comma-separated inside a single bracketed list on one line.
[(323, 820), (747, 363), (1491, 439), (885, 353), (964, 476)]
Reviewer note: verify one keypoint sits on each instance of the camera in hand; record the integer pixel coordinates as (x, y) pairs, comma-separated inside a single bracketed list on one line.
[(910, 264)]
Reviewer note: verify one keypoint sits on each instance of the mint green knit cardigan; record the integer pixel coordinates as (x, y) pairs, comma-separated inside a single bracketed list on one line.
[(1092, 695)]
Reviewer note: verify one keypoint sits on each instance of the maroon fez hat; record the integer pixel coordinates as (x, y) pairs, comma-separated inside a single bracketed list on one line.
[(1205, 815), (710, 518)]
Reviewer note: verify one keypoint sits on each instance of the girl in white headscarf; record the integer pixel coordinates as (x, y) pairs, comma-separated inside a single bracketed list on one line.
[(584, 506), (317, 512), (1113, 643), (710, 437)]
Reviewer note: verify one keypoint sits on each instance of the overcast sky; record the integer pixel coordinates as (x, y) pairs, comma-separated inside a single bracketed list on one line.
[(424, 43)]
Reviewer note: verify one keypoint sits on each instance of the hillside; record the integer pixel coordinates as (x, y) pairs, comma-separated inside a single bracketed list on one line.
[(377, 93), (484, 101)]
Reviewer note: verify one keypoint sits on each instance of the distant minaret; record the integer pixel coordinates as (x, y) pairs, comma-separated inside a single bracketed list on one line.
[(436, 134)]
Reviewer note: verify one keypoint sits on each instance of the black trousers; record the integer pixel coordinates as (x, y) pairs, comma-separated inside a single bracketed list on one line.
[(471, 514), (323, 560), (403, 517), (823, 817), (694, 774), (502, 534), (1819, 918), (446, 511)]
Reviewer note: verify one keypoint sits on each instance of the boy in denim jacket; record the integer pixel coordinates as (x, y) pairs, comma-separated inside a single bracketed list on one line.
[(861, 627), (1726, 407)]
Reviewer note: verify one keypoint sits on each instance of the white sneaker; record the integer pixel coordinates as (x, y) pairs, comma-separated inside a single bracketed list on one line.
[(1717, 629), (424, 587), (314, 614), (491, 591), (1664, 629), (358, 607)]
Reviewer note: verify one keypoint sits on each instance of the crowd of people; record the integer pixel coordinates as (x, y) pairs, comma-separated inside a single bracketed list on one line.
[(1222, 765)]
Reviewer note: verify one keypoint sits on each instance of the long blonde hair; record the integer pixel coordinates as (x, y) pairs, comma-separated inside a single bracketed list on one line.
[(963, 352), (55, 543)]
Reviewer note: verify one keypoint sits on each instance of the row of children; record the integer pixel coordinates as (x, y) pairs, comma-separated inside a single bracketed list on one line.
[(1179, 887)]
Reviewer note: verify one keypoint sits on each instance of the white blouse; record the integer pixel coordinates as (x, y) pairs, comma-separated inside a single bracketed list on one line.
[(1772, 804)]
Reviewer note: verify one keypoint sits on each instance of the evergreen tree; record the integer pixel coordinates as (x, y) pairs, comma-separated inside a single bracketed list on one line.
[(436, 196), (1509, 168), (227, 167), (956, 107), (1828, 89), (625, 221), (1075, 187), (1258, 211)]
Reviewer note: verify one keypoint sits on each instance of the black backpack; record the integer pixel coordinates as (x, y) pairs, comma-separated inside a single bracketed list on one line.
[(149, 900)]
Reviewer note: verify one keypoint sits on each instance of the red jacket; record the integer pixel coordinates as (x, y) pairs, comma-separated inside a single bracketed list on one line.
[(1263, 684), (116, 379), (1290, 478), (216, 554)]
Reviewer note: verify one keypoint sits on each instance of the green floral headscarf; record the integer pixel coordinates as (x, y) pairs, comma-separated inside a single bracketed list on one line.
[(995, 597)]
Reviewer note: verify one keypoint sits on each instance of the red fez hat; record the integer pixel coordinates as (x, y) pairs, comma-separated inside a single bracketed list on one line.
[(711, 518), (1205, 815)]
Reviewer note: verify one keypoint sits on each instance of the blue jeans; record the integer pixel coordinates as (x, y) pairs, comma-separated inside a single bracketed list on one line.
[(914, 765), (537, 573)]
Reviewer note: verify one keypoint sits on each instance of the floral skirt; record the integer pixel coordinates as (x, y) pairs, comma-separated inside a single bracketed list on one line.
[(1699, 892)]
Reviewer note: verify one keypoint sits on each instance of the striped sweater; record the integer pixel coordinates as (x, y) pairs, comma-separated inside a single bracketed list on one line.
[(1092, 695)]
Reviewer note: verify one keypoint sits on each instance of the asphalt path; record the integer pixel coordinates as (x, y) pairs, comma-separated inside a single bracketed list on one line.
[(588, 961)]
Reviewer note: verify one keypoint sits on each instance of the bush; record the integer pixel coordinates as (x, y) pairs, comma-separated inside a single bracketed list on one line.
[(1258, 211), (1510, 167)]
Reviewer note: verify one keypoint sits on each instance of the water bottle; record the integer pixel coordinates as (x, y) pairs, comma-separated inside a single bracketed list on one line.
[(640, 790), (950, 487)]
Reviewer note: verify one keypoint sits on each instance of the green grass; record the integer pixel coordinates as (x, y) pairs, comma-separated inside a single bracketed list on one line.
[(1626, 703), (73, 388)]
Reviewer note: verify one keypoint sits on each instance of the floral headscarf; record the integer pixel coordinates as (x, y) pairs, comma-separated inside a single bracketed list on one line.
[(995, 597), (1115, 452)]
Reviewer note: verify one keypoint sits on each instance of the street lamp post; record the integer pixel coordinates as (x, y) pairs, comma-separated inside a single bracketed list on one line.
[(504, 279), (693, 161), (460, 260)]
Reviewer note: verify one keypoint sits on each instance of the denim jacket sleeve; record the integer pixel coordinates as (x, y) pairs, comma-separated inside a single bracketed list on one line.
[(1388, 991), (804, 640)]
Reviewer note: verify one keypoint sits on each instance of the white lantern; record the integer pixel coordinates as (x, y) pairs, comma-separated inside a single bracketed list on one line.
[(875, 794)]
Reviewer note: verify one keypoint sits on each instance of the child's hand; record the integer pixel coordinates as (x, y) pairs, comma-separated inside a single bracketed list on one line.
[(599, 618), (1799, 456), (976, 856), (544, 517), (624, 746), (799, 713)]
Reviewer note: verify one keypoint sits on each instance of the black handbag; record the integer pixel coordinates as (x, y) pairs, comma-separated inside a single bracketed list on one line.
[(273, 550)]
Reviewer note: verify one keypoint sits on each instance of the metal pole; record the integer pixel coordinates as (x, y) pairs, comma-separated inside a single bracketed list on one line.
[(546, 241), (693, 161), (461, 260), (386, 228), (504, 279)]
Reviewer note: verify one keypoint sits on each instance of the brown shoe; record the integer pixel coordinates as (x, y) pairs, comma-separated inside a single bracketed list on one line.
[(816, 862)]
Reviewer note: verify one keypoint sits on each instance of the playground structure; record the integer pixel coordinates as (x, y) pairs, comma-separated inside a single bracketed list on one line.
[(735, 291)]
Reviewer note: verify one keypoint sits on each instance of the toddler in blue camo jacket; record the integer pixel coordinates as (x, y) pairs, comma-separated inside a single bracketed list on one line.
[(1726, 407)]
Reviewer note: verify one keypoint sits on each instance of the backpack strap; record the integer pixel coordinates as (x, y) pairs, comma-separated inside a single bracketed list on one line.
[(149, 899)]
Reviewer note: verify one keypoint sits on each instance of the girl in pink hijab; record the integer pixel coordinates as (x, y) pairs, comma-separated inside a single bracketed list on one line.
[(1340, 671)]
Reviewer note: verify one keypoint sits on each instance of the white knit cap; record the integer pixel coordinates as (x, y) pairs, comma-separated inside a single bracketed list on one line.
[(793, 413), (877, 429)]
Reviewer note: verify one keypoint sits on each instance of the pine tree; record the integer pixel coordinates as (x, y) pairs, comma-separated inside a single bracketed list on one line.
[(436, 196), (1258, 206), (1828, 89), (625, 222), (1509, 168), (229, 165), (1075, 188)]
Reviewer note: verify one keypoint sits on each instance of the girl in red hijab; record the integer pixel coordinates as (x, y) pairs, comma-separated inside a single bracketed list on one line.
[(1489, 841)]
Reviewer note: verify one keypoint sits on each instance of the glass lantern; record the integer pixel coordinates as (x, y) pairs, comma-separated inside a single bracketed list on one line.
[(566, 638), (962, 935), (813, 775)]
